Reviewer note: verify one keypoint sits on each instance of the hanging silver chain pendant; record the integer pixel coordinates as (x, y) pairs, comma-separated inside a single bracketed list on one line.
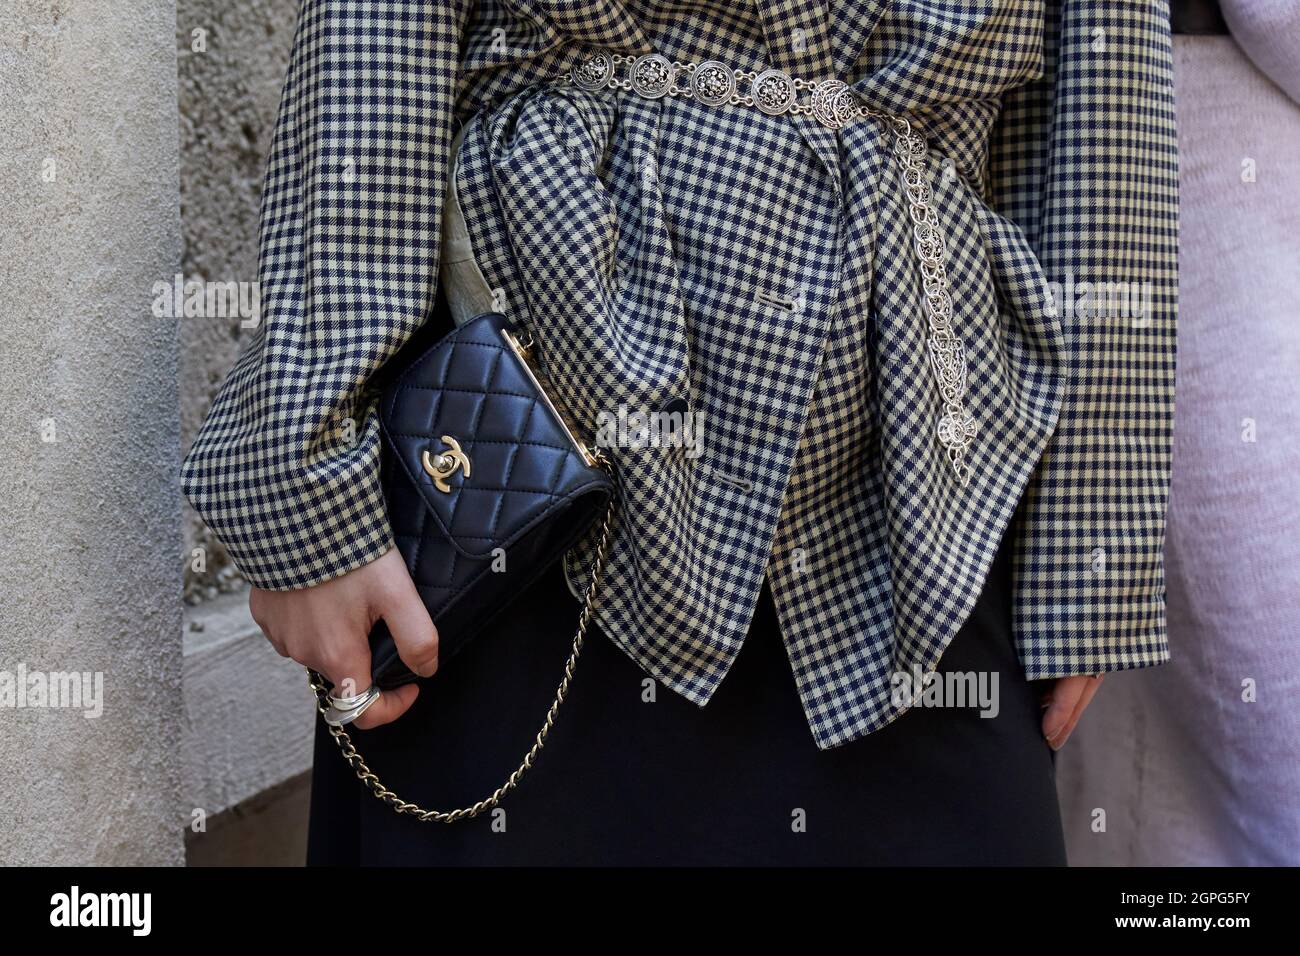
[(956, 429)]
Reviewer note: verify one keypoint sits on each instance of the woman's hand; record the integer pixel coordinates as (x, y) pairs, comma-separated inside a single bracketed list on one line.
[(327, 628), (1065, 703)]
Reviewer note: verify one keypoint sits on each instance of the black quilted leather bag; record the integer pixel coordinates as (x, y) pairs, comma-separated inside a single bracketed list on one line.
[(487, 485)]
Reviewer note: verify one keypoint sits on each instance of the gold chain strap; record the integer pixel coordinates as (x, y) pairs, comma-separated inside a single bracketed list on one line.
[(368, 777)]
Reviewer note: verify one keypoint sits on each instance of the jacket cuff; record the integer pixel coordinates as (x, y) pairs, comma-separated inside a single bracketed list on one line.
[(287, 531), (1048, 656)]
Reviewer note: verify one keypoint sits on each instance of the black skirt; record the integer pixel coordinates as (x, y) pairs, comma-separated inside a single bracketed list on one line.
[(633, 774)]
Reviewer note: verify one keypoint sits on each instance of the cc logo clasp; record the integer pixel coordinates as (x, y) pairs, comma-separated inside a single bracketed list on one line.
[(446, 464)]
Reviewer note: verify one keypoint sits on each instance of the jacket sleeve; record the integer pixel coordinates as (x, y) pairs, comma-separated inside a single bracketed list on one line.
[(285, 468), (1085, 161)]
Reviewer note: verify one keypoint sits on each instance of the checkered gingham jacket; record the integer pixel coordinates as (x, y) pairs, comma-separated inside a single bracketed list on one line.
[(758, 271)]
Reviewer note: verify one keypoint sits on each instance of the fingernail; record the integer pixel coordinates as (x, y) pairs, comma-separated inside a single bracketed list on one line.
[(1051, 736)]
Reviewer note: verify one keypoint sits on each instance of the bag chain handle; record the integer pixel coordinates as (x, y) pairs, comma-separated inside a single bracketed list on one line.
[(368, 777)]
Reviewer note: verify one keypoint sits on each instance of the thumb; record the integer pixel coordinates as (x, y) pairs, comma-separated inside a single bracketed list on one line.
[(412, 629)]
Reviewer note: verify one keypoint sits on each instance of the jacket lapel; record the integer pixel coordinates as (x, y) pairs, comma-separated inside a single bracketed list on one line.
[(799, 43), (851, 24)]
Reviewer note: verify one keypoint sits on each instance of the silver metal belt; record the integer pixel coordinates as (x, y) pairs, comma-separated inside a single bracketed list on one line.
[(833, 104)]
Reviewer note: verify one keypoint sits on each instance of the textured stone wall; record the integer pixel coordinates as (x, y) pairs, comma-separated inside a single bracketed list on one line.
[(90, 547), (232, 56), (232, 59)]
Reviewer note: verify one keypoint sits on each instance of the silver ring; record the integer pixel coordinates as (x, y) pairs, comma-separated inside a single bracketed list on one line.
[(347, 703), (344, 710)]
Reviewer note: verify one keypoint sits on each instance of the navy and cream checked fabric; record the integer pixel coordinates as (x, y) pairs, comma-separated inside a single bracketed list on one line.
[(758, 271)]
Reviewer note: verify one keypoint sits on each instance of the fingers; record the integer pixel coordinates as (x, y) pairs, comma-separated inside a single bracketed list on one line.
[(345, 661), (326, 635), (412, 629), (1070, 697), (390, 705), (1065, 694), (1091, 685), (346, 664), (327, 628)]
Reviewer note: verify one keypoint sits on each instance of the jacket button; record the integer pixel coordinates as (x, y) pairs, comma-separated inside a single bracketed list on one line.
[(676, 406)]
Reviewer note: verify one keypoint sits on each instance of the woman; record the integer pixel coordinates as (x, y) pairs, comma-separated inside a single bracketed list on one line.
[(709, 209)]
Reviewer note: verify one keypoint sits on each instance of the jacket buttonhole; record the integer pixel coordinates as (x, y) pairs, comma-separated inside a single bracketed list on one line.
[(739, 484), (787, 303)]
